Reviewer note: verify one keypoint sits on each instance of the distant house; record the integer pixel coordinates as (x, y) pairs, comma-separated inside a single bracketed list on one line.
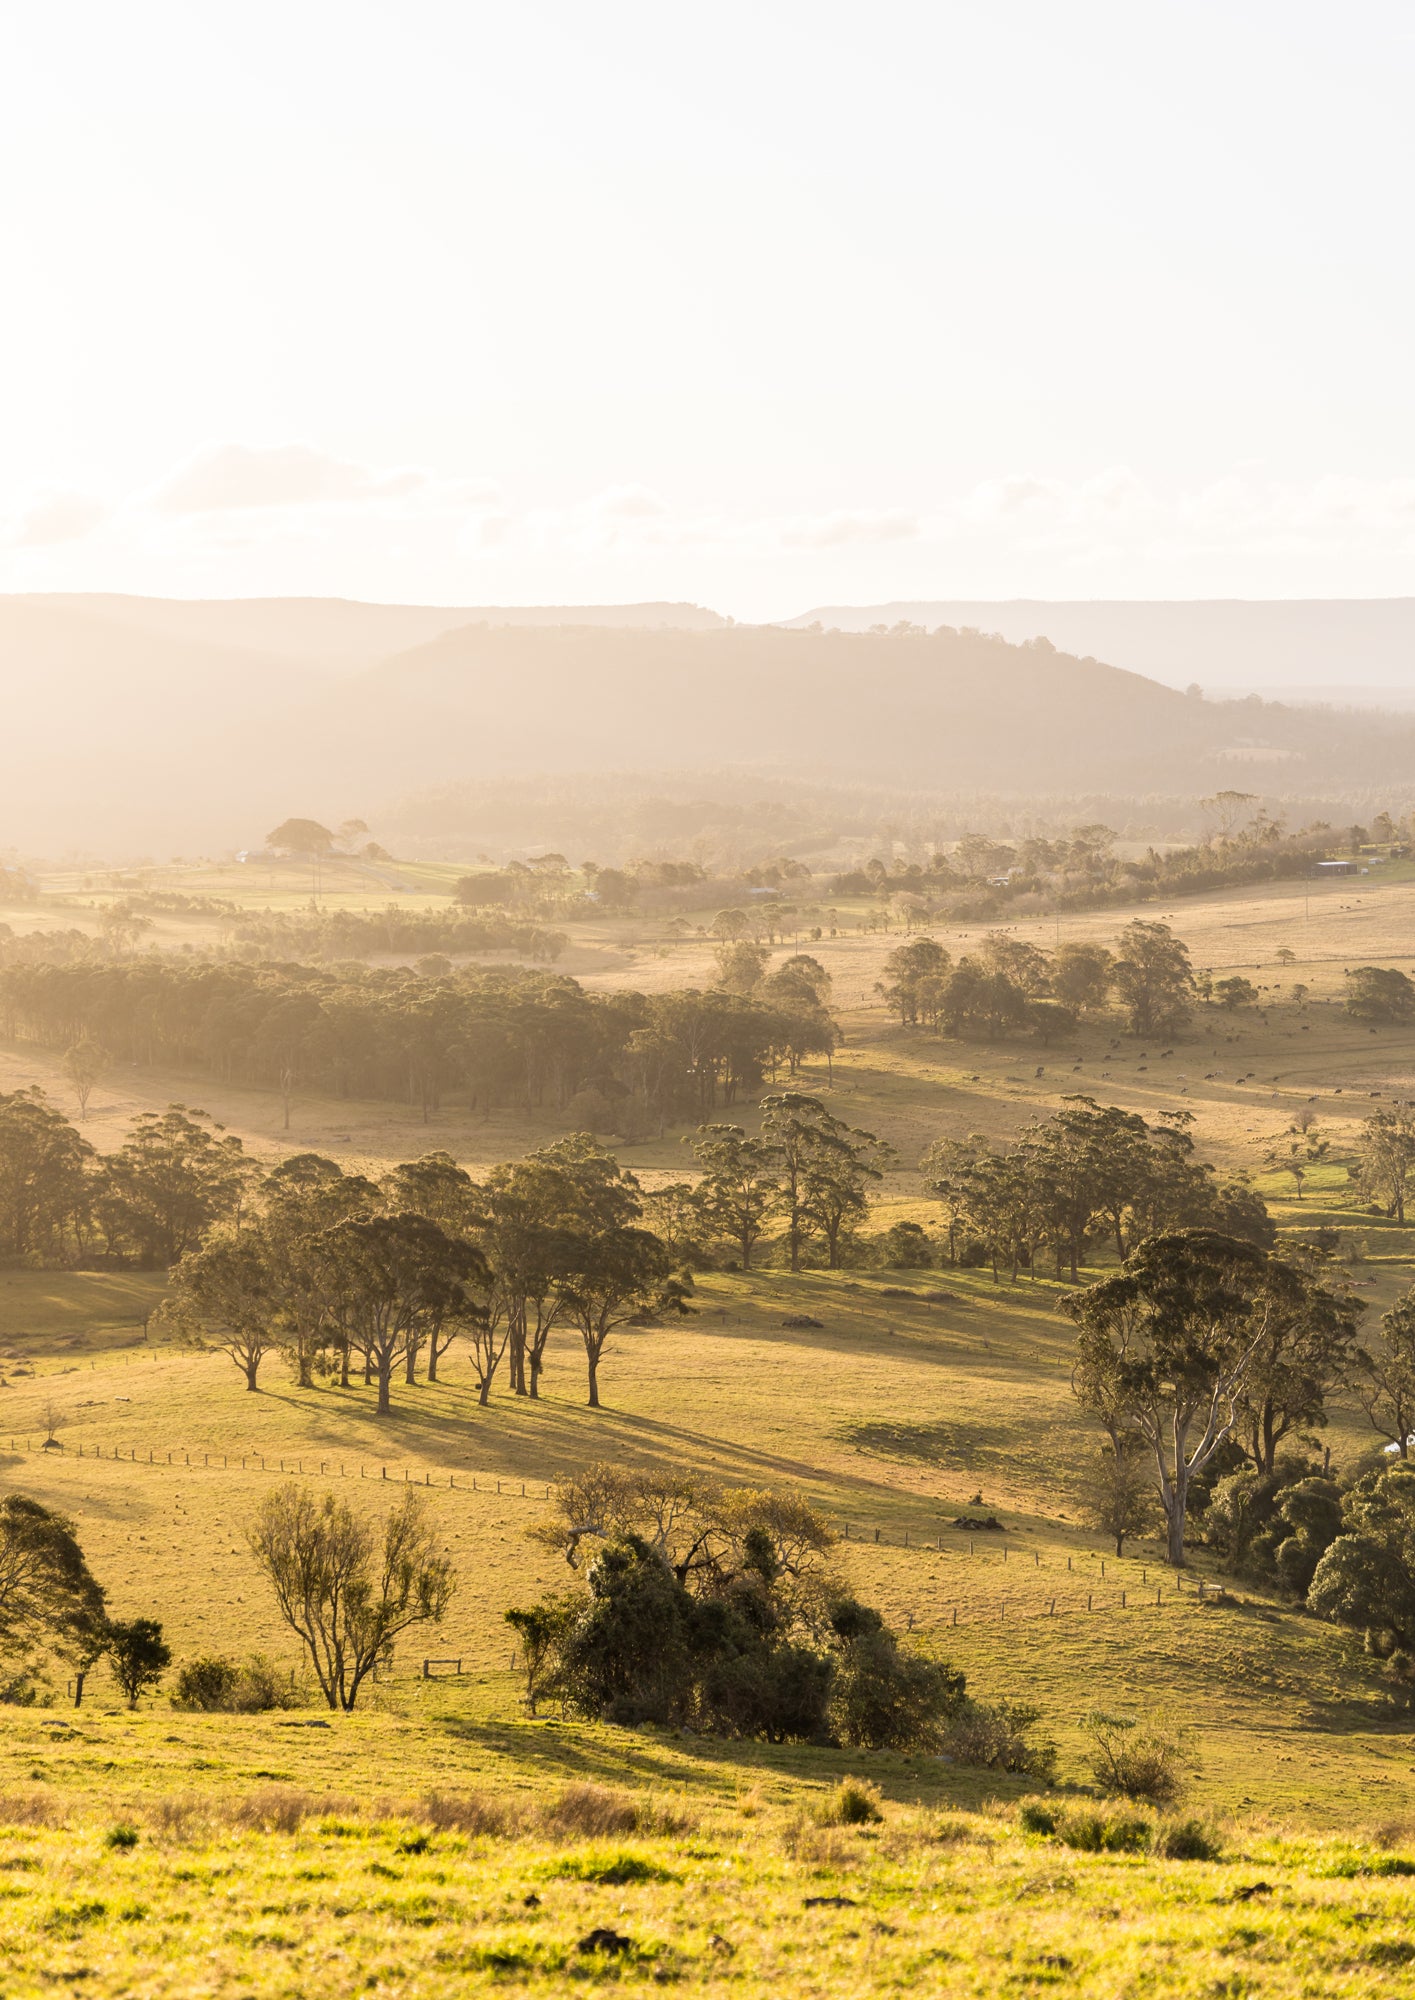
[(1338, 868)]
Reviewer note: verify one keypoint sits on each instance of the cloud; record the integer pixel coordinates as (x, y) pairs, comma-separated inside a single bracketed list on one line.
[(229, 477), (828, 531), (56, 517), (629, 503)]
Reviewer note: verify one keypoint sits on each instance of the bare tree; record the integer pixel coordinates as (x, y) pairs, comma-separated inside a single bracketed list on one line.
[(346, 1596), (85, 1063)]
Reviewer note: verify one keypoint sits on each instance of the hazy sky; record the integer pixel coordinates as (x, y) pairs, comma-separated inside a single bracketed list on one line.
[(760, 305)]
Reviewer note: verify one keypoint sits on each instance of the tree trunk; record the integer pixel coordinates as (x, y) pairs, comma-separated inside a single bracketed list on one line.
[(1174, 1516), (385, 1371), (252, 1370), (80, 1676), (592, 1357)]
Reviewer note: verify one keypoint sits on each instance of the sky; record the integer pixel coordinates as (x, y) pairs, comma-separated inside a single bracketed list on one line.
[(759, 306)]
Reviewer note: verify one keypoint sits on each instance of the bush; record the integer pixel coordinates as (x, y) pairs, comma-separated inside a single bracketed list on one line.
[(854, 1802), (882, 1698), (993, 1736), (214, 1684), (121, 1836), (1096, 1832), (1034, 1817), (1133, 1763), (1185, 1840)]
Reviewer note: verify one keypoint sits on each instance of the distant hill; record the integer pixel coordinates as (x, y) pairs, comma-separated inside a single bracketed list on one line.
[(339, 634), (1320, 649), (184, 729)]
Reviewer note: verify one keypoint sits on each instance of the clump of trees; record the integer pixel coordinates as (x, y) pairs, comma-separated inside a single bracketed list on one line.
[(806, 1168), (716, 1609), (1089, 1174), (979, 877), (1011, 987), (488, 1036), (1381, 994), (175, 1176), (340, 1273), (1385, 1159)]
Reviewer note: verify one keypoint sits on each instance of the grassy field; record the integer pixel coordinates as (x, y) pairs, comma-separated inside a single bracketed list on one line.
[(275, 1856)]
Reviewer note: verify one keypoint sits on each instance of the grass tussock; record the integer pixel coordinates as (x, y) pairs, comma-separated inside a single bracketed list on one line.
[(854, 1802), (29, 1809), (577, 1812), (1113, 1830), (283, 1808)]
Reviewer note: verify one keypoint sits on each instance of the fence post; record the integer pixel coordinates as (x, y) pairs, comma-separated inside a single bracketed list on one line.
[(906, 1538), (1004, 1552), (876, 1534), (1036, 1558), (955, 1614), (1051, 1609), (1122, 1600), (1088, 1600)]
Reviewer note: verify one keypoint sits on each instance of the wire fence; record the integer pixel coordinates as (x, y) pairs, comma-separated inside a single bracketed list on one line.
[(1050, 1583), (287, 1465)]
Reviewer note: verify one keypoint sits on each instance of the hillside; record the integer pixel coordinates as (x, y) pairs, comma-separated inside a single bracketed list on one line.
[(137, 730), (1337, 650)]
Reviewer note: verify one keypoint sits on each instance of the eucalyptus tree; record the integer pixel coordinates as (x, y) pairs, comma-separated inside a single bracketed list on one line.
[(823, 1166), (1166, 1349), (740, 1191)]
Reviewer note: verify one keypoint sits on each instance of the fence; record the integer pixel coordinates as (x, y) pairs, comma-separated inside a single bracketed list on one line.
[(1125, 1592), (476, 1482)]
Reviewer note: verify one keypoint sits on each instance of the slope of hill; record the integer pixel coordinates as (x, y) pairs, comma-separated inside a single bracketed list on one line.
[(124, 739), (1311, 649)]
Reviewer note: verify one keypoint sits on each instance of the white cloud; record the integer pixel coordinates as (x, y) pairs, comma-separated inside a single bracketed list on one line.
[(828, 531), (240, 477), (629, 503), (56, 517)]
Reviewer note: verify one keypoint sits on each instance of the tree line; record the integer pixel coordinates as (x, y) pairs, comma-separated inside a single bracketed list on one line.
[(361, 1279), (491, 1036), (981, 877)]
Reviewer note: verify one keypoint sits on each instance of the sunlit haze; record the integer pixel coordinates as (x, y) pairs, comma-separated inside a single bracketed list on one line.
[(756, 307)]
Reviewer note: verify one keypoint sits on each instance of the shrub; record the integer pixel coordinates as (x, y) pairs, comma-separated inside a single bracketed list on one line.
[(1185, 1840), (121, 1836), (215, 1684), (1133, 1763), (883, 1698), (1097, 1832), (1034, 1817), (854, 1802), (993, 1735)]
